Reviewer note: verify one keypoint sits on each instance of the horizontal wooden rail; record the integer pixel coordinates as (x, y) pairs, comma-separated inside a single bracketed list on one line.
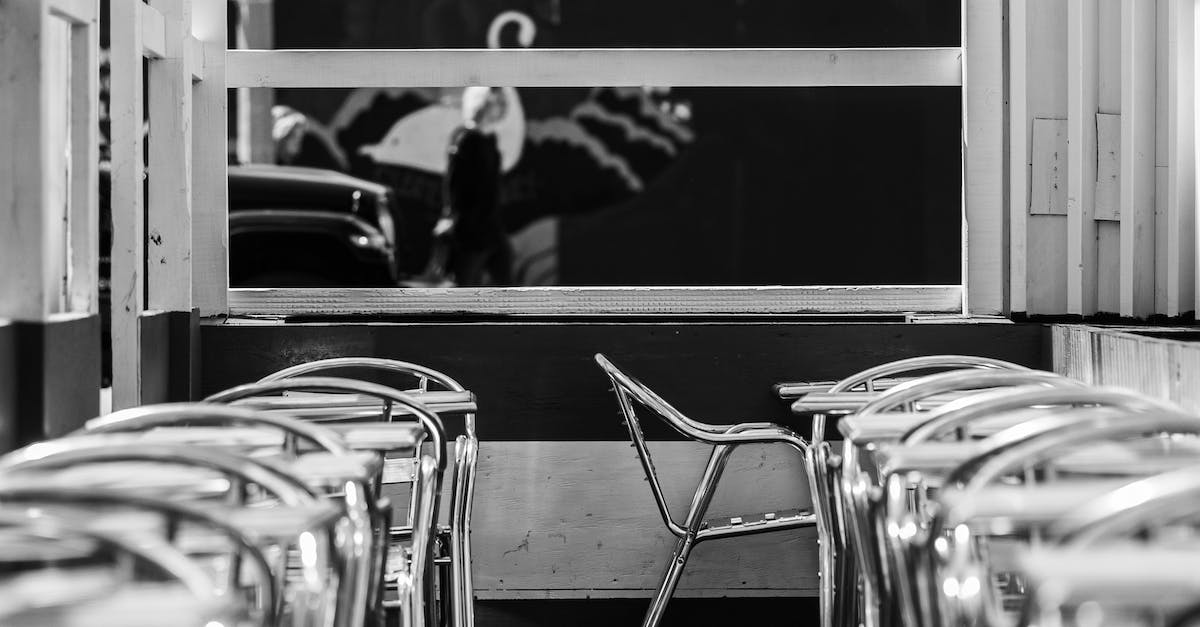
[(883, 299), (749, 67), (154, 32), (77, 12)]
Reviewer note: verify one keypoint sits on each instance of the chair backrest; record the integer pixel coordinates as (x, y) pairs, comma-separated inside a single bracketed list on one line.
[(37, 494), (866, 379), (957, 414), (629, 390), (149, 417), (431, 422), (1160, 499), (424, 376)]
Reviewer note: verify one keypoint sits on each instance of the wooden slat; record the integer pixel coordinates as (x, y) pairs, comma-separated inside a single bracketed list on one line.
[(1082, 86), (84, 218), (596, 301), (195, 58), (27, 290), (793, 67), (154, 39), (1180, 190), (255, 142), (1108, 266), (128, 169), (1108, 166), (1138, 39), (210, 156), (1046, 97), (1020, 161), (984, 158), (1048, 283), (1049, 164), (169, 215), (77, 12), (1160, 154)]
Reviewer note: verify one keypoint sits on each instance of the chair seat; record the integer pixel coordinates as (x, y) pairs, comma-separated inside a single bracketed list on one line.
[(756, 523)]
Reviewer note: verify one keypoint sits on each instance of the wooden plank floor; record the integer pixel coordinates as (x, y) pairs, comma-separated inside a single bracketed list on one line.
[(576, 520)]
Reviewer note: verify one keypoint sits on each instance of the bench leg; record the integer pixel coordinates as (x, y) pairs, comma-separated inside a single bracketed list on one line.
[(658, 605)]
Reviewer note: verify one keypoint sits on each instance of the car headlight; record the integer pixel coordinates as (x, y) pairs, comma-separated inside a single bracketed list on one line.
[(387, 223)]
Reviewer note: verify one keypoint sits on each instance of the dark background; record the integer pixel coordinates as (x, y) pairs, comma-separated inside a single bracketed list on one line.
[(781, 186)]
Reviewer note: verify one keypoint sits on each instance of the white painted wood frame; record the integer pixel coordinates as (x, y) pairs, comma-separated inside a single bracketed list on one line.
[(1019, 140), (541, 67), (152, 255), (984, 271), (169, 199), (1082, 95), (210, 159), (1138, 54), (126, 53), (1179, 204), (49, 72)]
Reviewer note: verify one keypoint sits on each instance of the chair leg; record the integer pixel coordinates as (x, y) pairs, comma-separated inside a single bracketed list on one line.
[(658, 605)]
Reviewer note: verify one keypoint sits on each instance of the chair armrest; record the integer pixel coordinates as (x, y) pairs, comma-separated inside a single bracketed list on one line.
[(757, 433)]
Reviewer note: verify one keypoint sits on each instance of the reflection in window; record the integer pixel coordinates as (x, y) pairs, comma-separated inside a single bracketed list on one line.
[(606, 186)]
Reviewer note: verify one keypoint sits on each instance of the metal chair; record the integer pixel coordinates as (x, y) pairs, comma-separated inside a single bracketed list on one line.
[(312, 595), (1157, 579), (858, 493), (112, 596), (349, 481), (944, 551), (461, 592), (89, 508), (413, 581), (724, 438), (838, 577)]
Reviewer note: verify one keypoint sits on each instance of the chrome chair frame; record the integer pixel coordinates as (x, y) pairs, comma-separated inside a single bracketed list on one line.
[(162, 555), (838, 576), (290, 491), (1016, 449), (462, 592), (861, 495), (417, 591), (27, 493), (358, 552), (723, 438)]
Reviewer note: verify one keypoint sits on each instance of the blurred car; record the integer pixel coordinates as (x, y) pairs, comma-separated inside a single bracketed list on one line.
[(289, 227), (298, 227), (306, 227)]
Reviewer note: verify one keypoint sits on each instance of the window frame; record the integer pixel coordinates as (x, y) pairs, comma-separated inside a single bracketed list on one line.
[(976, 66)]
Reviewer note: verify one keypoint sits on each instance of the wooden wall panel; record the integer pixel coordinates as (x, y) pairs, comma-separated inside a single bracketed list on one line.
[(1044, 239), (537, 381), (562, 507), (1047, 244)]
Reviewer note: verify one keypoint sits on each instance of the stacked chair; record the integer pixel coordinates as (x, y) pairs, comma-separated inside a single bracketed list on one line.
[(272, 503), (970, 491)]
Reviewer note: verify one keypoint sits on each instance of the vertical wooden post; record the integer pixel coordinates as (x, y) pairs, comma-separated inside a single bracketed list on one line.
[(983, 132), (1018, 146), (1179, 206), (169, 215), (128, 217), (210, 185), (29, 287), (84, 219), (255, 141), (1082, 94), (48, 215), (1138, 27)]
